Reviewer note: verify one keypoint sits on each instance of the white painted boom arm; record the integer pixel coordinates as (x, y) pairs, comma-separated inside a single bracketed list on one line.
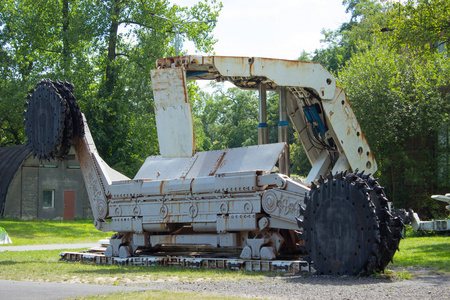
[(319, 110)]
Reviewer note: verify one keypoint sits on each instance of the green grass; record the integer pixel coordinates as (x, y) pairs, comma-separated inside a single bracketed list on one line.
[(45, 266), (425, 252), (36, 232), (415, 251), (157, 295)]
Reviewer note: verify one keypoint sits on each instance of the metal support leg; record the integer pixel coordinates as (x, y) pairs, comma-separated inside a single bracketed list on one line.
[(283, 132), (263, 129)]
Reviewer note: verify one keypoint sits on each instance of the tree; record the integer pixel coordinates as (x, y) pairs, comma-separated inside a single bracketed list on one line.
[(107, 50), (401, 102), (300, 164), (386, 57), (367, 16), (419, 26), (230, 119)]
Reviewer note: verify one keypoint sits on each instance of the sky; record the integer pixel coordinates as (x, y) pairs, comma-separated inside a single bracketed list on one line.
[(270, 28)]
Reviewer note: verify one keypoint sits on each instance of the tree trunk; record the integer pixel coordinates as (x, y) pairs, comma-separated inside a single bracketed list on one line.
[(65, 38), (111, 76)]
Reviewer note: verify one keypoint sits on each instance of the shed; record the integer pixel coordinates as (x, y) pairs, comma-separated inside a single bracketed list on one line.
[(30, 189)]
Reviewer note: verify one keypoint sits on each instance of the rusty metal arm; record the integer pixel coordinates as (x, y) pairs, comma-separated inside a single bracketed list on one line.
[(318, 109), (97, 175)]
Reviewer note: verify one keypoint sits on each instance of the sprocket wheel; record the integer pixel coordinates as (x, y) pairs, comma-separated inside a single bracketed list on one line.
[(52, 119), (340, 226)]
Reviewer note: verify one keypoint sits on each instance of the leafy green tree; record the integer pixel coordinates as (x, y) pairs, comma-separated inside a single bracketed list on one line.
[(419, 26), (126, 84), (386, 59), (402, 101), (41, 39), (367, 16), (300, 164), (107, 50), (230, 119)]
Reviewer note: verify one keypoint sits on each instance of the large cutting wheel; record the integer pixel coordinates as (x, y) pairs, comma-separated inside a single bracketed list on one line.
[(52, 119), (347, 226)]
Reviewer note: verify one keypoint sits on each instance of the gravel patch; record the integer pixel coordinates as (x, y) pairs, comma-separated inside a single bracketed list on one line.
[(424, 285)]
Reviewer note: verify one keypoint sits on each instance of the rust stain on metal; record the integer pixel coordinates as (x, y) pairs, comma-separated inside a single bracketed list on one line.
[(218, 163), (270, 63), (170, 62), (161, 186), (191, 185), (331, 113)]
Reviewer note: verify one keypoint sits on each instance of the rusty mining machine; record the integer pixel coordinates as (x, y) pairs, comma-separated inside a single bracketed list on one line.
[(232, 200)]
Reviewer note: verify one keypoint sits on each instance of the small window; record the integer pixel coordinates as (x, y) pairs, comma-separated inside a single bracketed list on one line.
[(49, 166), (49, 199)]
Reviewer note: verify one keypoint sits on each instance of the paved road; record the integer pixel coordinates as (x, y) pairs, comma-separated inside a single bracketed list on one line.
[(28, 290), (10, 289), (48, 247)]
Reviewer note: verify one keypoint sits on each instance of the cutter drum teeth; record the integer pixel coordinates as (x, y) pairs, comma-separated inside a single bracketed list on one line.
[(340, 228), (391, 227), (52, 119), (347, 226)]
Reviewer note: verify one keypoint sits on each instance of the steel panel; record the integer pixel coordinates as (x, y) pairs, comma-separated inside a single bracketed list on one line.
[(281, 72), (295, 73), (160, 168), (349, 133), (232, 66), (203, 164), (252, 158), (173, 113)]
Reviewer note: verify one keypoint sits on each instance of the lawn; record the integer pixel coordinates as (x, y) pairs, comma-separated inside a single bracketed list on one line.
[(427, 252), (416, 251), (431, 251), (36, 232)]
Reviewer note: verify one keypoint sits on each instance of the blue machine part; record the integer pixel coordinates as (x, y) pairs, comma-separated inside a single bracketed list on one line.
[(312, 116), (192, 74)]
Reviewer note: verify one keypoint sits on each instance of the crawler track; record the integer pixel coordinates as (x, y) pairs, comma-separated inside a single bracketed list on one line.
[(186, 261)]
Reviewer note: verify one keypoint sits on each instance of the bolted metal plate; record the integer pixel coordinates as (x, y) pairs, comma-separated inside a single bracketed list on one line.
[(173, 113), (252, 158)]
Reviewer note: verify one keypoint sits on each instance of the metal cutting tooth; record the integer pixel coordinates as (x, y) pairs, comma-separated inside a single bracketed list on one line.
[(330, 176), (303, 249), (302, 210), (366, 177), (350, 177), (321, 180), (360, 183), (367, 189)]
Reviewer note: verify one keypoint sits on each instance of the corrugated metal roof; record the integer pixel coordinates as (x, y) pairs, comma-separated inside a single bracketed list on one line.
[(11, 158)]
